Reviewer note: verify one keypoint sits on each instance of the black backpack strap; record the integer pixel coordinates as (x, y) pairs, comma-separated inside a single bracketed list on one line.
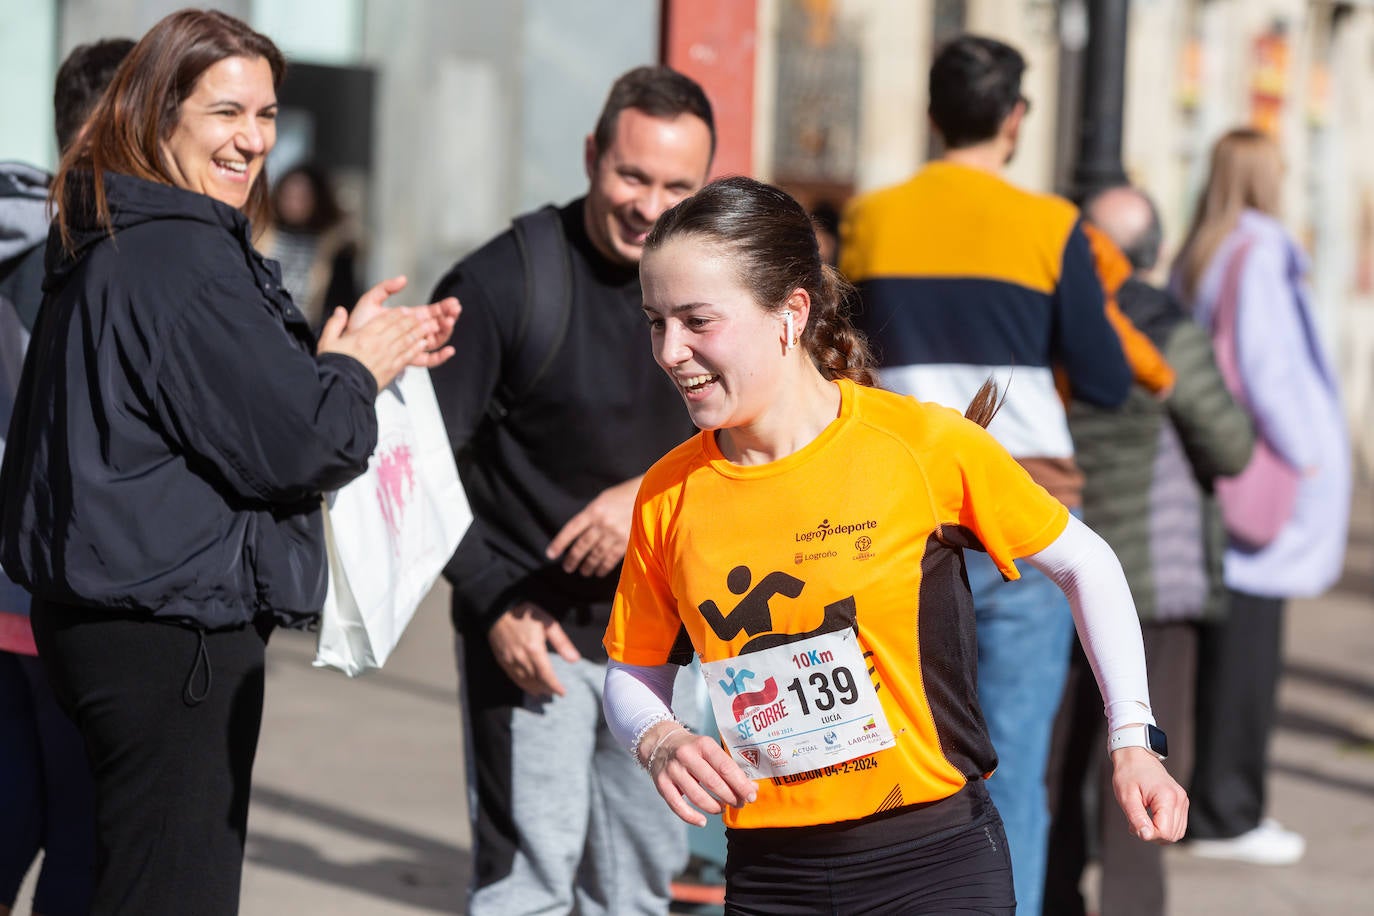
[(544, 313)]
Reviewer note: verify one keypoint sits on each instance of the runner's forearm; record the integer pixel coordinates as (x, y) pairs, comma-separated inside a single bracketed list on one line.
[(1082, 564), (637, 697)]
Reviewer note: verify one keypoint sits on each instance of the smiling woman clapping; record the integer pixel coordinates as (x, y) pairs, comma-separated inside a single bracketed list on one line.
[(174, 428)]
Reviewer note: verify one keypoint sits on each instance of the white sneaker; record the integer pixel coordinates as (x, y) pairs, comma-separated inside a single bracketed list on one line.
[(1267, 844)]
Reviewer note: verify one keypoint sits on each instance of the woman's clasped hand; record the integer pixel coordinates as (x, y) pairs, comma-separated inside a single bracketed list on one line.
[(388, 339)]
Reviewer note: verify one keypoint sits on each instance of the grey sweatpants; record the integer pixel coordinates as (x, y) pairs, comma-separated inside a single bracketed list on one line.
[(564, 821)]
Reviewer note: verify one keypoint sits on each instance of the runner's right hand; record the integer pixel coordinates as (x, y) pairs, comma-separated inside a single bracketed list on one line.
[(694, 768)]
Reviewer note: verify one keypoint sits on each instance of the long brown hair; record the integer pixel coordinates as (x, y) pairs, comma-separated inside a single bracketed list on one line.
[(141, 107), (1246, 173), (773, 242)]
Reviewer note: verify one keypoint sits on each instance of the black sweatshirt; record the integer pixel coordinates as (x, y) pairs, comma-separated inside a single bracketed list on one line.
[(602, 413)]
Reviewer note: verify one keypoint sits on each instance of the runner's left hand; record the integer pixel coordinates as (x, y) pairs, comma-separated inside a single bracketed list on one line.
[(1155, 805)]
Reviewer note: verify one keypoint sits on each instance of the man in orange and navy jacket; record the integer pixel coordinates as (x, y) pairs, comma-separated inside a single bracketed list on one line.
[(964, 276)]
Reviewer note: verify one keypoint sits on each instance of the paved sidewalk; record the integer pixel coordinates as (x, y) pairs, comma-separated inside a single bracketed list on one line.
[(358, 792), (1322, 777), (358, 804), (359, 809)]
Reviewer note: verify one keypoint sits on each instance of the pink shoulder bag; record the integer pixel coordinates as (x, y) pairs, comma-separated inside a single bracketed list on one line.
[(1259, 501)]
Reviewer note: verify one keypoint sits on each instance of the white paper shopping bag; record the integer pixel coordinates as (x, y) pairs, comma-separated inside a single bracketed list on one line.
[(390, 532)]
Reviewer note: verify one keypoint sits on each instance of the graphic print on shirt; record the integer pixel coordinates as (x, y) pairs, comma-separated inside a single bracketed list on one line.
[(753, 615)]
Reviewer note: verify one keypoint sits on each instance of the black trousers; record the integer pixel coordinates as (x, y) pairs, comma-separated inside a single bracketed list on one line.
[(1239, 662), (1084, 815), (961, 869), (170, 719)]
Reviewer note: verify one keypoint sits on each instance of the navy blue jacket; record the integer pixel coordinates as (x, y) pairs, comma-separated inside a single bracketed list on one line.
[(173, 429)]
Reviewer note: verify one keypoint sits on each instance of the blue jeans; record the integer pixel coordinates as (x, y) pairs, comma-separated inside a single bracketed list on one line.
[(47, 801), (1025, 630)]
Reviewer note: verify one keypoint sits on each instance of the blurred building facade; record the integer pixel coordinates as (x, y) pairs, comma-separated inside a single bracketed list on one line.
[(1302, 69), (442, 118)]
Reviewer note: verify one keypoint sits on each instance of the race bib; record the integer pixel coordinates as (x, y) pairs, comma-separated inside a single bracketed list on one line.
[(798, 707)]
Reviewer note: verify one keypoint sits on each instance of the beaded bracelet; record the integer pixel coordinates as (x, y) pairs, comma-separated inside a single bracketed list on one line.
[(664, 716), (649, 761)]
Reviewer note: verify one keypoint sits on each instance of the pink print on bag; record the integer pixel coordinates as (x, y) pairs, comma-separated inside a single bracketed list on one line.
[(395, 485)]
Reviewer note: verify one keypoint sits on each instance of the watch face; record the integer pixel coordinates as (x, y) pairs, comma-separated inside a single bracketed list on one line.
[(1157, 741)]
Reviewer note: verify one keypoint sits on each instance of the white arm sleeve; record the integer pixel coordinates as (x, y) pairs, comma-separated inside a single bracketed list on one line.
[(636, 698), (1082, 564)]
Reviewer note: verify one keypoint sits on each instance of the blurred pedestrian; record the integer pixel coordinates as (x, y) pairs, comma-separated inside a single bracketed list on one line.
[(963, 276), (1239, 260), (172, 434), (1149, 368), (852, 772), (555, 409), (314, 241), (1148, 470), (47, 803), (826, 218)]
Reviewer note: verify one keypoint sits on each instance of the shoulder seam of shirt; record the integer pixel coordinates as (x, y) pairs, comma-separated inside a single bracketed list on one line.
[(860, 416)]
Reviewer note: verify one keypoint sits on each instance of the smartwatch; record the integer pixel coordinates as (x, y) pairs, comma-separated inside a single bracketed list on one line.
[(1147, 736)]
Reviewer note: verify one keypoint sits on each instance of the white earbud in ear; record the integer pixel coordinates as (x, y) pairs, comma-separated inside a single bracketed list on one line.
[(787, 322)]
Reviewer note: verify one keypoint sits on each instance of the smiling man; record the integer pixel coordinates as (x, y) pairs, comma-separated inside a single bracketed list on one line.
[(555, 407)]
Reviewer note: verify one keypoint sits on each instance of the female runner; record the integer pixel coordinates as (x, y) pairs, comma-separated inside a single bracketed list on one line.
[(808, 547)]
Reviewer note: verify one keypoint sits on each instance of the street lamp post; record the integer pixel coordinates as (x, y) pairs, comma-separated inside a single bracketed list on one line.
[(1104, 82)]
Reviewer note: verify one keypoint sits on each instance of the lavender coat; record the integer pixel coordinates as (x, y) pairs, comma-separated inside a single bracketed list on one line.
[(1295, 401)]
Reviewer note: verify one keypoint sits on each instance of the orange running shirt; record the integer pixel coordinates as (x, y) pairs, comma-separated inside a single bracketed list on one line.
[(861, 528)]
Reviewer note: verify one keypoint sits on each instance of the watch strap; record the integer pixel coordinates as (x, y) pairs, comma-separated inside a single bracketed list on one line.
[(1133, 736)]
